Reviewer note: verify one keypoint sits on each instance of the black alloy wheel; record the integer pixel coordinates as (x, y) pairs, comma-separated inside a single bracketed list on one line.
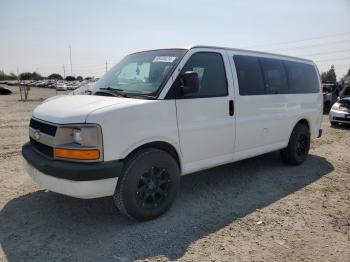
[(148, 184), (153, 187)]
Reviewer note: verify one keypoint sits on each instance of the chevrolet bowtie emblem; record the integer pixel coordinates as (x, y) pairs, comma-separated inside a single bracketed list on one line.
[(37, 134)]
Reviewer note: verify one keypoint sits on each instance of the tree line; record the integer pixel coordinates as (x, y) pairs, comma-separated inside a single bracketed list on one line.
[(36, 76)]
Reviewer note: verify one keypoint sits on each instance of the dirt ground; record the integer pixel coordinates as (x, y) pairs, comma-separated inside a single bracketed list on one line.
[(253, 210)]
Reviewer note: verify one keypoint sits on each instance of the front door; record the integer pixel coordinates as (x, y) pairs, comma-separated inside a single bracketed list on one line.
[(206, 119)]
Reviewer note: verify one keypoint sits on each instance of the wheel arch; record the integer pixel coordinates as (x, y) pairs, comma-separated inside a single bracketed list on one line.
[(164, 145), (303, 121)]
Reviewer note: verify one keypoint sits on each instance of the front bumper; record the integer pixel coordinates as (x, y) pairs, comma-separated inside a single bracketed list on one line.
[(79, 189), (82, 180), (339, 116)]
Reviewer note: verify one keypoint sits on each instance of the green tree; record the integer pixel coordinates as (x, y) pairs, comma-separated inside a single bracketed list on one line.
[(25, 76), (4, 76), (79, 78), (36, 76), (30, 76), (12, 76), (70, 78), (329, 76), (55, 76), (324, 76)]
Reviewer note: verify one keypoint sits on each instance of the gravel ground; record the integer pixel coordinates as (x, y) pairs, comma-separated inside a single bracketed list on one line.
[(253, 210)]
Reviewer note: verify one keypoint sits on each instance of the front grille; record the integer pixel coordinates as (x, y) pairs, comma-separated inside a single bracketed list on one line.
[(342, 119), (44, 149), (43, 127)]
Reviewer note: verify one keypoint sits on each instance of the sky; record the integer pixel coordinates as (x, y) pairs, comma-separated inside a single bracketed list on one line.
[(35, 35)]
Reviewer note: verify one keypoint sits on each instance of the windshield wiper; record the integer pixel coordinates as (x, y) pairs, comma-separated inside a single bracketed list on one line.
[(118, 91)]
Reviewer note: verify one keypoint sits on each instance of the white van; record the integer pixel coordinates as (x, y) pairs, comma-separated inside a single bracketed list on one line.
[(160, 114)]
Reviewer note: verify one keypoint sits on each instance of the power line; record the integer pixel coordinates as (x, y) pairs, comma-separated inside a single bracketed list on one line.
[(309, 46), (326, 53), (344, 58), (303, 40)]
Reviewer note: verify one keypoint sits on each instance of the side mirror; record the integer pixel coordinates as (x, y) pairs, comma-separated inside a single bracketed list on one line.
[(189, 83)]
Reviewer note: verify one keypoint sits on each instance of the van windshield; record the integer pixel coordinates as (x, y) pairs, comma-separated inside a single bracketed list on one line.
[(140, 73)]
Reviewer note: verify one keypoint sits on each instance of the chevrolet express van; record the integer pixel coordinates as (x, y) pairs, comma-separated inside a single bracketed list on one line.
[(161, 114)]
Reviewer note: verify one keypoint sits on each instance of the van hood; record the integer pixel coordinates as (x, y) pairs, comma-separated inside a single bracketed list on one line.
[(75, 109)]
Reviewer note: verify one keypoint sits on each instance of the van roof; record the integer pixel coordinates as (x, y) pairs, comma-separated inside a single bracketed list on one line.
[(250, 51), (232, 49)]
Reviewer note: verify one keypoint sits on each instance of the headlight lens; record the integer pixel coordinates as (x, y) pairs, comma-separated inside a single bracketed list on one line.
[(335, 106), (77, 136), (339, 107), (79, 142)]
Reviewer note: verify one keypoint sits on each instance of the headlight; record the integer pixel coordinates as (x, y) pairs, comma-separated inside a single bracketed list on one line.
[(339, 107), (336, 106), (79, 142), (77, 136)]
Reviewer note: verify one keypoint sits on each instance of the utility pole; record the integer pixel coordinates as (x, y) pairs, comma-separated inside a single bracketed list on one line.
[(106, 66), (64, 72), (70, 58)]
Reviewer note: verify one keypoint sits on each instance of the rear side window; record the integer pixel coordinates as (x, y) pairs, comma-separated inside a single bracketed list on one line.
[(250, 79), (211, 73), (302, 78), (274, 76)]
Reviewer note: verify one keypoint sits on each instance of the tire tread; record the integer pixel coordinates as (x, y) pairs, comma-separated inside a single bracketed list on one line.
[(287, 154)]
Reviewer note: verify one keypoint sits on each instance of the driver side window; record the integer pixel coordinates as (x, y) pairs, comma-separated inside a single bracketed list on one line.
[(211, 73)]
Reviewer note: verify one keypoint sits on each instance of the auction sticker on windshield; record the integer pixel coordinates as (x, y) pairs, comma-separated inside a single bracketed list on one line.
[(164, 59)]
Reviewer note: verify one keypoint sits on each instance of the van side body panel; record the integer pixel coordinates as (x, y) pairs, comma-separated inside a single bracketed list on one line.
[(264, 123), (132, 127), (206, 129)]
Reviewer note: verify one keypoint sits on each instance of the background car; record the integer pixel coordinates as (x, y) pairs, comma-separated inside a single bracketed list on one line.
[(61, 87), (340, 112)]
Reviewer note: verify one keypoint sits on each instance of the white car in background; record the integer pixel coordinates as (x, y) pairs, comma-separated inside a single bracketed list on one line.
[(340, 112), (61, 87)]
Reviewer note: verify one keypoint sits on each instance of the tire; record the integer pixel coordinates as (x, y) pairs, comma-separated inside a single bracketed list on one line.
[(148, 184), (334, 123), (298, 147)]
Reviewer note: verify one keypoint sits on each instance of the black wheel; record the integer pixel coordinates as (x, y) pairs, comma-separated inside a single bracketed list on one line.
[(148, 184), (298, 147), (334, 123)]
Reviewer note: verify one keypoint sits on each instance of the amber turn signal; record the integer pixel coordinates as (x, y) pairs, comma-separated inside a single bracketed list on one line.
[(78, 154)]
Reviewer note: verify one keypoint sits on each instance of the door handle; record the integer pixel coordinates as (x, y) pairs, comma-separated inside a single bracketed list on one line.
[(231, 108)]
